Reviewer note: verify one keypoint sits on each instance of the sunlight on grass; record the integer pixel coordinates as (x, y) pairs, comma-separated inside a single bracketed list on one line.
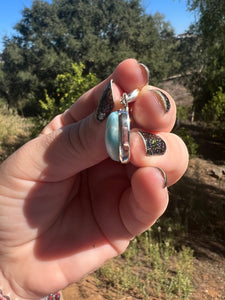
[(151, 266), (14, 131)]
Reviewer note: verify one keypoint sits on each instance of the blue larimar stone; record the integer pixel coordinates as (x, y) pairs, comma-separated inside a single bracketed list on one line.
[(112, 136)]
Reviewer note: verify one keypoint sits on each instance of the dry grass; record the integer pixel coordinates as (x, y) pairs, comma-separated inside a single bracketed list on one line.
[(14, 131)]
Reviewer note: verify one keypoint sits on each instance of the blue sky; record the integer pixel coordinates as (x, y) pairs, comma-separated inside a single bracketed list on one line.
[(173, 10)]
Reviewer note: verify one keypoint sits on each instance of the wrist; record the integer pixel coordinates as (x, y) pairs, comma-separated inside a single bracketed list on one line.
[(6, 291), (2, 296), (9, 291), (56, 296)]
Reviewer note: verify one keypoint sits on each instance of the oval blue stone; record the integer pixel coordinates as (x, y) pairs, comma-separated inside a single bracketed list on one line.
[(112, 136)]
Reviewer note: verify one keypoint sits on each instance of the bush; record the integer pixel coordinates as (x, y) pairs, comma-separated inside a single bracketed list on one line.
[(214, 110), (183, 112), (189, 141), (70, 86)]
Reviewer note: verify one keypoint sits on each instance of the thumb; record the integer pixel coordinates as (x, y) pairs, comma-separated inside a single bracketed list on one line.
[(66, 151), (80, 145), (76, 147), (60, 154)]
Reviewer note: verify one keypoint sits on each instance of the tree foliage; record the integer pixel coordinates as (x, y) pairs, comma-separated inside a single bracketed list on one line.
[(205, 55), (100, 33), (69, 86), (214, 109)]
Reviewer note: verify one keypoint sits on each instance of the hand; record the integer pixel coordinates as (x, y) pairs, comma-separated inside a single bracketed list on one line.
[(66, 207)]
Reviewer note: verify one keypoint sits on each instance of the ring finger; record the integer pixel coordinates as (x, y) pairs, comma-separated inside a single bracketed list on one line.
[(165, 150)]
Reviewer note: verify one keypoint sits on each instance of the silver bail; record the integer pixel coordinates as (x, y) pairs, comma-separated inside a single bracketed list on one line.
[(132, 95), (128, 98)]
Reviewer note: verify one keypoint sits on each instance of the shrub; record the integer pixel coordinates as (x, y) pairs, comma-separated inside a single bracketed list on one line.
[(70, 86), (183, 112), (189, 141), (214, 110)]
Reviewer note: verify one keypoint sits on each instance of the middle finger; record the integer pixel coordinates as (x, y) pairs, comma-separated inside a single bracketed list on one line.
[(162, 150), (154, 109)]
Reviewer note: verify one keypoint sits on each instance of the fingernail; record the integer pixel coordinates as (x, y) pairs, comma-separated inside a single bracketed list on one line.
[(164, 177), (154, 145), (145, 71), (163, 99), (105, 104)]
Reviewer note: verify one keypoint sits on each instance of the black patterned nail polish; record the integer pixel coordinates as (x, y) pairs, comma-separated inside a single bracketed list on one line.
[(164, 100), (105, 104), (154, 145)]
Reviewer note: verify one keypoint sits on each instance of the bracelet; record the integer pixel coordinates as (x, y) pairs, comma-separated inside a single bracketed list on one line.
[(50, 297), (3, 297)]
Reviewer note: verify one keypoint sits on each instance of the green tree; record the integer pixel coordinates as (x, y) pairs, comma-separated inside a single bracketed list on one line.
[(214, 109), (50, 36), (32, 58), (156, 47), (69, 87), (207, 79)]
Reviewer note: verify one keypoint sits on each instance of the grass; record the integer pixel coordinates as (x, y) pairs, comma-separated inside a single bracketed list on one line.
[(14, 131), (151, 266)]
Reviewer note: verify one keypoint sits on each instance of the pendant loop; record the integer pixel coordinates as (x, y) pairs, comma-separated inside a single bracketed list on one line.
[(128, 98)]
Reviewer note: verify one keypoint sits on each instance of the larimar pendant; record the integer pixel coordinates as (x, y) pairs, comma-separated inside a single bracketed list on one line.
[(117, 135)]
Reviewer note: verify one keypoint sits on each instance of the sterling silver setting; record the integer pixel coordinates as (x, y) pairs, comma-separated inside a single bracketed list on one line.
[(117, 138)]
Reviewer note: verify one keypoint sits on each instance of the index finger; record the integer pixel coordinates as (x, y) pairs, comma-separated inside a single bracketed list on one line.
[(127, 76)]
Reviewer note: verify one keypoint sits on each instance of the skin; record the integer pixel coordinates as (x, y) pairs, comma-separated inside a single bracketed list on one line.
[(66, 207)]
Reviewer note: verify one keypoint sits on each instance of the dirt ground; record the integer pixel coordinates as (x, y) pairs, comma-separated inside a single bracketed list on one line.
[(209, 277)]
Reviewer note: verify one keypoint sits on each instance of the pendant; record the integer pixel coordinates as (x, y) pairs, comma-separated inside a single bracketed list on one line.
[(117, 135)]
